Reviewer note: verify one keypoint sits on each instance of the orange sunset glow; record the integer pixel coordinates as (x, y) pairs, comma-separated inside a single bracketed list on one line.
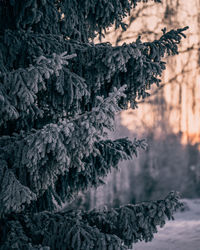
[(180, 86)]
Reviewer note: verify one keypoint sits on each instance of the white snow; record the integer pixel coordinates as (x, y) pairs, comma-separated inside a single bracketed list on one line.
[(181, 234)]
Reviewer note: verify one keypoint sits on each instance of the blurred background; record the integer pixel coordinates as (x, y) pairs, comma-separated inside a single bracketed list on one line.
[(169, 119)]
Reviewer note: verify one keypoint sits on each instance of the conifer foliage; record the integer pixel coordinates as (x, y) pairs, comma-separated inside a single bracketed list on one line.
[(59, 93)]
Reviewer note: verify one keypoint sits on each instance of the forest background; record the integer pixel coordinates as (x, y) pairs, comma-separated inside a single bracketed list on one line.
[(169, 118)]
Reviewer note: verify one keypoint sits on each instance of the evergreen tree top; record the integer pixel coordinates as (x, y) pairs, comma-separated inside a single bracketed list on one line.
[(28, 89), (59, 93), (54, 108), (76, 19), (58, 96)]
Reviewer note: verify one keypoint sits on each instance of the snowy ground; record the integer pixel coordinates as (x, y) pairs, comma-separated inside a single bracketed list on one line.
[(181, 234)]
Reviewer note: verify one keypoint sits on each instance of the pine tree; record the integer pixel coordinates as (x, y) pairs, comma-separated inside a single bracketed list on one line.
[(59, 93)]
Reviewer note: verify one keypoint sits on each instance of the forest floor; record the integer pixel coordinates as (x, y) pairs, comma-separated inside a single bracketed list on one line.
[(181, 234)]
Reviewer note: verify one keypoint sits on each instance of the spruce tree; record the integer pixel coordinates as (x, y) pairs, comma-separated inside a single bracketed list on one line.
[(59, 93)]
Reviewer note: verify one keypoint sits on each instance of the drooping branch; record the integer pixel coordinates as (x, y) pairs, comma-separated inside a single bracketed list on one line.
[(133, 223), (69, 149), (109, 229)]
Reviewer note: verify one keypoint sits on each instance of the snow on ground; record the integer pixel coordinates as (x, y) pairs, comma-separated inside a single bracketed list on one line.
[(181, 234)]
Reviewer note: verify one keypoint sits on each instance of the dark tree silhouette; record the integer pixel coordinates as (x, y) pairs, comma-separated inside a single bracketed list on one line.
[(59, 93)]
